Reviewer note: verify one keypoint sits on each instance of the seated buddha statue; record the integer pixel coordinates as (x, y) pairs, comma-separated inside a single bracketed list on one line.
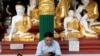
[(61, 12), (21, 23), (72, 26), (92, 9), (84, 26), (33, 12)]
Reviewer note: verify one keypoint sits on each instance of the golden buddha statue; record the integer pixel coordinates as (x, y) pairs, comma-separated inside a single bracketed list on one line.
[(85, 28), (78, 29), (72, 26), (61, 12), (92, 8), (21, 23)]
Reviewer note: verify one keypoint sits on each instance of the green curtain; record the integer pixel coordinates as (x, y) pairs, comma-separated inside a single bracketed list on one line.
[(46, 24)]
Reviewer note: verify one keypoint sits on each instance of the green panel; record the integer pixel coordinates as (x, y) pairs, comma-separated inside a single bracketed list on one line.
[(46, 24)]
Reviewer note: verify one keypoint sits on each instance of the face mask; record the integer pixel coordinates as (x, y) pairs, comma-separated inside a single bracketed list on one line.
[(48, 44)]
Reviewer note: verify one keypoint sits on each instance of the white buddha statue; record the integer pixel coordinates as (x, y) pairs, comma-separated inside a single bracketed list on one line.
[(84, 22), (21, 23), (71, 26), (92, 10), (84, 26), (91, 7)]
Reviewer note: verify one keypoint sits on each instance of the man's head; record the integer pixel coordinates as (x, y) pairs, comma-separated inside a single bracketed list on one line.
[(48, 38)]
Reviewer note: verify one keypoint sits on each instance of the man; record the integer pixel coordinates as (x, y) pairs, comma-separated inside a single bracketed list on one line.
[(47, 46)]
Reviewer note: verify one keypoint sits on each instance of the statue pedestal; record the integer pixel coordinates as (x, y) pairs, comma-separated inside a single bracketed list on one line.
[(28, 48), (87, 46)]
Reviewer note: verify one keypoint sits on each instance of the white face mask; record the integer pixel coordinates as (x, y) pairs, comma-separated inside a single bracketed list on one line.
[(49, 44), (20, 10)]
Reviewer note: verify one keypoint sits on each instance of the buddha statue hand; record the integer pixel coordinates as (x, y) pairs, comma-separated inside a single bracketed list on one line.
[(74, 31)]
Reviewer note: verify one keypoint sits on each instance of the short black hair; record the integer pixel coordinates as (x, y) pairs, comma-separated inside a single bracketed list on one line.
[(48, 34)]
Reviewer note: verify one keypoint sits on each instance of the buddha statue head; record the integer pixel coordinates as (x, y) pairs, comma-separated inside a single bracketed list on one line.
[(85, 2), (71, 12), (20, 8)]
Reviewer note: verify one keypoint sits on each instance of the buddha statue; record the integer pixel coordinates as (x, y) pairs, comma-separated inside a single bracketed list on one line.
[(72, 26), (92, 8), (84, 26), (33, 12), (61, 12), (21, 23), (93, 15)]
